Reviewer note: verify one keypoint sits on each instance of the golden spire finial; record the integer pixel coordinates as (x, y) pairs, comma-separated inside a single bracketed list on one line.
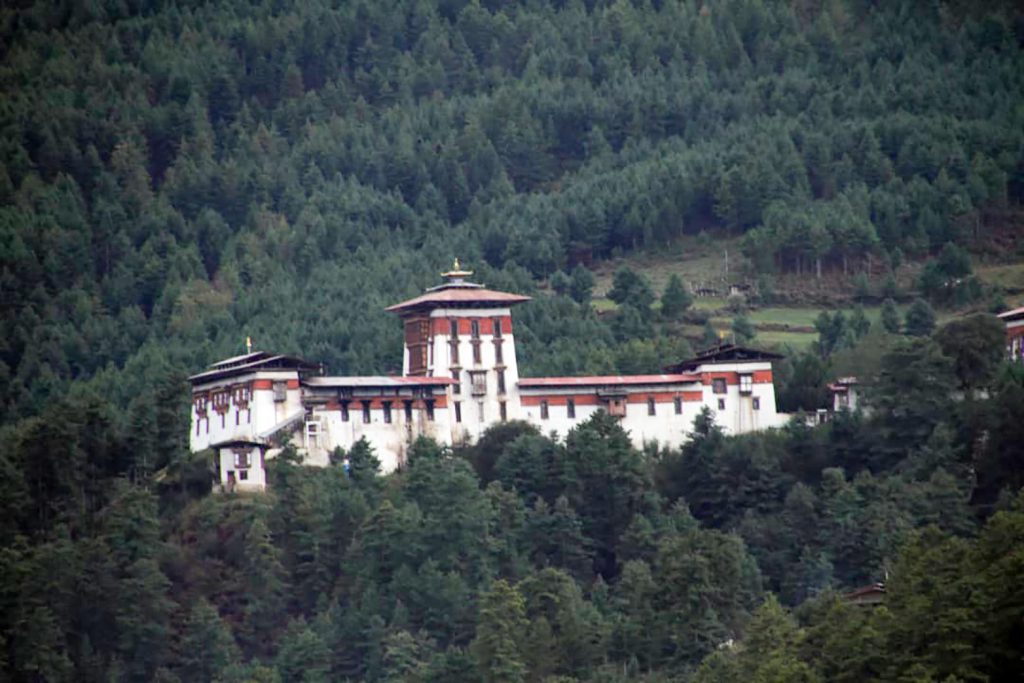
[(248, 344), (457, 273)]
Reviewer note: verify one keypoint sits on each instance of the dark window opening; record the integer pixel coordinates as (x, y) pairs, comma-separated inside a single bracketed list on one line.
[(499, 356), (757, 403), (457, 387), (477, 356), (479, 381), (430, 410), (650, 406), (570, 408), (387, 412), (718, 385), (721, 404), (678, 404), (474, 329), (458, 411), (543, 410), (497, 327), (344, 411), (503, 411), (366, 411), (408, 411), (501, 381), (243, 474)]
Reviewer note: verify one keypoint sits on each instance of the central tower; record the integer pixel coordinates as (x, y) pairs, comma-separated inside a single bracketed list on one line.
[(463, 330)]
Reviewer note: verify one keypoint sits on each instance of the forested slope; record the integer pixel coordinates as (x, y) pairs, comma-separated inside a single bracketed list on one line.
[(175, 176)]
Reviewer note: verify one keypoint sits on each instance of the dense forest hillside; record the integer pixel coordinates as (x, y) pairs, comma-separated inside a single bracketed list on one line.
[(176, 176)]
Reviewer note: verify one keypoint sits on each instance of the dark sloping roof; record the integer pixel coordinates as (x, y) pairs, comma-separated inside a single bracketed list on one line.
[(723, 353), (1012, 314), (250, 362), (458, 294)]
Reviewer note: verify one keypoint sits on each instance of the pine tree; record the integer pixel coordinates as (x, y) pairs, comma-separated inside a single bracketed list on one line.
[(264, 589), (676, 298), (581, 284), (208, 648), (920, 319), (890, 317), (742, 330), (500, 634)]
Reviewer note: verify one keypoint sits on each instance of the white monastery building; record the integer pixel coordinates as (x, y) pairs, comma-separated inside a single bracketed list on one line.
[(459, 377), (1014, 321)]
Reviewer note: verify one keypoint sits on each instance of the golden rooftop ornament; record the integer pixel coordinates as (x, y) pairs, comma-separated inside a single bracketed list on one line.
[(457, 271), (248, 344)]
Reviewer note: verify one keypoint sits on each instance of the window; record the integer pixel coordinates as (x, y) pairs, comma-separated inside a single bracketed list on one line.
[(474, 329), (430, 410), (417, 338), (501, 381), (718, 385), (543, 410), (503, 411), (721, 404), (280, 392), (344, 411), (453, 340), (480, 410), (458, 411), (243, 474), (757, 403), (457, 387), (650, 406), (477, 356), (387, 412), (570, 408), (746, 384), (408, 411), (496, 322), (479, 380), (366, 412), (499, 357), (617, 407), (242, 460), (238, 417), (313, 433), (677, 403)]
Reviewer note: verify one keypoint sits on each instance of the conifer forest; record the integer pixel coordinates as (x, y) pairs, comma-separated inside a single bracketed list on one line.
[(178, 175)]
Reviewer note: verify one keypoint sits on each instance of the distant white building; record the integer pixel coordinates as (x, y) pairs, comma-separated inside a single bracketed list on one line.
[(1014, 321), (845, 394), (459, 377)]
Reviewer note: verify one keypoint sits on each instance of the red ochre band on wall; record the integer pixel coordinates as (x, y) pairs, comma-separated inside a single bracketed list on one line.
[(594, 399), (731, 378), (443, 325)]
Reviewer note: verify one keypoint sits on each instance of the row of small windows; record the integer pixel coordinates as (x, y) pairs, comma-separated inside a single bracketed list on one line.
[(478, 381), (478, 356), (474, 328), (652, 406), (718, 385), (386, 408), (502, 411)]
